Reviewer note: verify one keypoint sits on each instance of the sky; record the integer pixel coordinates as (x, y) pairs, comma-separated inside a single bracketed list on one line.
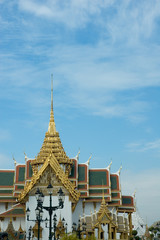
[(104, 56)]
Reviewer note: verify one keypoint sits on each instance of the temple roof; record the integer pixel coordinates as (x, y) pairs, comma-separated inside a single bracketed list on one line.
[(52, 142), (16, 211), (6, 185), (6, 178), (127, 204)]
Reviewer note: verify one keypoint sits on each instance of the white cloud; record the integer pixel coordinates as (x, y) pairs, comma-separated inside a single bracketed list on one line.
[(94, 77), (125, 20), (37, 9), (146, 184), (88, 83), (71, 13), (133, 20), (143, 146)]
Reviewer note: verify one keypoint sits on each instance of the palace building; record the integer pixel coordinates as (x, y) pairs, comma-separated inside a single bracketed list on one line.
[(93, 205)]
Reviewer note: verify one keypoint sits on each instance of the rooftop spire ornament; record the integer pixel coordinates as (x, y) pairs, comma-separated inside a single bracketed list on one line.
[(52, 126)]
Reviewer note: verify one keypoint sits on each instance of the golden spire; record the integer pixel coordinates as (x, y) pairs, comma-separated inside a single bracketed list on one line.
[(52, 143), (52, 126), (103, 202)]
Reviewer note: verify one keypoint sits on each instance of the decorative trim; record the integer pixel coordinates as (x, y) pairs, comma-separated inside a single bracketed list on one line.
[(50, 161)]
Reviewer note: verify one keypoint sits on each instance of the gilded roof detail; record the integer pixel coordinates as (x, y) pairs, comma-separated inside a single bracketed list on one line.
[(52, 143), (52, 161)]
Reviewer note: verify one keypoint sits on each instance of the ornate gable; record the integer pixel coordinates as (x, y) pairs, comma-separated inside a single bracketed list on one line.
[(41, 178), (104, 215)]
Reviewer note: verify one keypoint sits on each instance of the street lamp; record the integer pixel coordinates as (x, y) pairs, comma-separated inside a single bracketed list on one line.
[(51, 208), (54, 224), (38, 210), (29, 233), (65, 225), (80, 229)]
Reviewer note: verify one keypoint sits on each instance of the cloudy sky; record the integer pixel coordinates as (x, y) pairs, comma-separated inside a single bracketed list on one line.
[(104, 56)]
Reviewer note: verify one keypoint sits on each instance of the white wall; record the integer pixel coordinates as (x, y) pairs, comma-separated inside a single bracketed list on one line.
[(65, 213), (4, 224), (19, 222)]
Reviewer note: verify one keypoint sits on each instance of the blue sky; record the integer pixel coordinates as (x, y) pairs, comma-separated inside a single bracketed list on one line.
[(104, 56)]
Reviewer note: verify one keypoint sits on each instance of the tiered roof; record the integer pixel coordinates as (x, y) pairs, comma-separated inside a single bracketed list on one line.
[(16, 211), (77, 178), (93, 183), (19, 180), (6, 185)]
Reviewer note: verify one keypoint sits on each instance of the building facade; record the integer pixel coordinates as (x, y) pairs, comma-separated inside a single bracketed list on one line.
[(92, 196)]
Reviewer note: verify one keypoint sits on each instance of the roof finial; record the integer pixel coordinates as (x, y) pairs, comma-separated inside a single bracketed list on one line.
[(52, 127), (109, 166), (88, 161), (134, 198), (14, 161), (51, 92), (77, 156), (119, 171)]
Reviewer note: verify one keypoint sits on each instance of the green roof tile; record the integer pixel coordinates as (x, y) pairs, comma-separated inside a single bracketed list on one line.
[(16, 211), (21, 174), (20, 187), (114, 202), (101, 191), (82, 186), (127, 200), (114, 195), (6, 178), (97, 178), (81, 173), (6, 191), (114, 185)]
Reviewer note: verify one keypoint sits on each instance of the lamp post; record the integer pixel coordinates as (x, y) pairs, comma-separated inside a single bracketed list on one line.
[(29, 233), (65, 225), (51, 208), (38, 210), (81, 228), (54, 224)]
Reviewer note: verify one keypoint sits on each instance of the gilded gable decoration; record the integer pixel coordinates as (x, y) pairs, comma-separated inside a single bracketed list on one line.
[(59, 173)]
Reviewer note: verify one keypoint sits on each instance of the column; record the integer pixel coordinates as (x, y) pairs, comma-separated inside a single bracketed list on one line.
[(109, 232), (122, 235), (114, 233), (130, 224)]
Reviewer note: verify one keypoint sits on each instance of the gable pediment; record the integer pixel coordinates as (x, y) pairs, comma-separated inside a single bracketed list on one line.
[(50, 171)]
